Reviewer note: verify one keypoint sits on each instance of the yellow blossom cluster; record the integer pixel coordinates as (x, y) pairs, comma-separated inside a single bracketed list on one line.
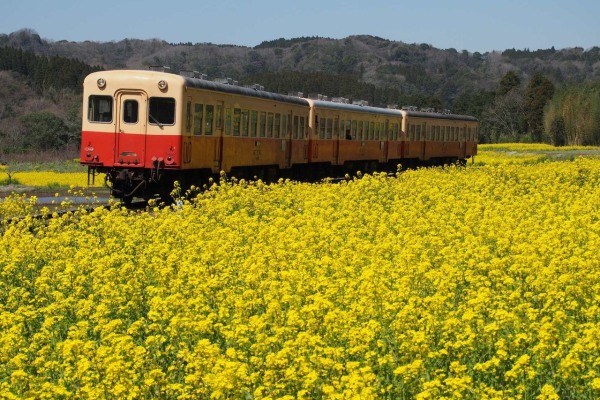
[(477, 282), (521, 153), (16, 205), (54, 179)]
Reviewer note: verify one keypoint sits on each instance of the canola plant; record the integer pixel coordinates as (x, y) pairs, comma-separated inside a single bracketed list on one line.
[(477, 282)]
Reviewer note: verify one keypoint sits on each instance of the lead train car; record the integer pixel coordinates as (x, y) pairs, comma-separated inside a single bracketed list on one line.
[(147, 129)]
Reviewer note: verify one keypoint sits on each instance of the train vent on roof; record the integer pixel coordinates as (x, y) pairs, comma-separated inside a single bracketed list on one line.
[(159, 68), (342, 100), (193, 74), (392, 106), (227, 81), (255, 86), (360, 103), (410, 108), (296, 94), (316, 96)]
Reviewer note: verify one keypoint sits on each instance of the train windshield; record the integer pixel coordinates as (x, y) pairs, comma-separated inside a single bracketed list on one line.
[(162, 111), (100, 109)]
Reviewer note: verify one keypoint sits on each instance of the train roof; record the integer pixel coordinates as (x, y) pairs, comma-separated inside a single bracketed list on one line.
[(244, 91), (426, 114), (355, 108)]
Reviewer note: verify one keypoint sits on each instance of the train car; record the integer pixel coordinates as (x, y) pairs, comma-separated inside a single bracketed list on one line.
[(440, 137), (147, 129), (353, 136)]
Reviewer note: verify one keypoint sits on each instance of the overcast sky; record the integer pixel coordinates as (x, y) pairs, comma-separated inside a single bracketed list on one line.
[(473, 25)]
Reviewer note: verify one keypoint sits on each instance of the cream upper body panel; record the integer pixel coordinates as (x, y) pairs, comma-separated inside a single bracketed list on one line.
[(145, 85)]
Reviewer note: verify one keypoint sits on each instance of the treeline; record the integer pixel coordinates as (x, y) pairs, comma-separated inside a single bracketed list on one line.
[(514, 112), (573, 54), (573, 115), (282, 43), (333, 85), (44, 72)]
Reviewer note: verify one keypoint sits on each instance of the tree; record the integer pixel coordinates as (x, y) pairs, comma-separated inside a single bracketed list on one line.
[(537, 94), (504, 120), (558, 131), (509, 81), (44, 131)]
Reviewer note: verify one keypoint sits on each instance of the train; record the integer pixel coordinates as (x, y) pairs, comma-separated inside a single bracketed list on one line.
[(147, 129)]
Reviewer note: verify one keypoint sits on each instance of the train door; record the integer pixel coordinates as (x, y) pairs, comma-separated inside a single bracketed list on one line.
[(384, 140), (130, 128), (336, 140), (218, 123), (287, 138), (423, 142), (186, 146), (463, 140)]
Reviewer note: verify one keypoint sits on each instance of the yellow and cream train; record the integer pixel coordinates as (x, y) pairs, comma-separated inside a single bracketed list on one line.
[(147, 129)]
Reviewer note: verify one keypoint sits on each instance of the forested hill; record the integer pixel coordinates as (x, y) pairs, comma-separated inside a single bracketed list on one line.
[(410, 68), (358, 67)]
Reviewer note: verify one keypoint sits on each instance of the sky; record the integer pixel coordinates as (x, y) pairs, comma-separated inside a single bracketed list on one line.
[(472, 25)]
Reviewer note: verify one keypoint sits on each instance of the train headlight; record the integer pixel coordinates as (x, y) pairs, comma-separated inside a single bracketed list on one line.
[(101, 83), (162, 85)]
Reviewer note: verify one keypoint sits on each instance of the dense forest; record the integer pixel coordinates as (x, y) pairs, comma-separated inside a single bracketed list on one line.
[(519, 95)]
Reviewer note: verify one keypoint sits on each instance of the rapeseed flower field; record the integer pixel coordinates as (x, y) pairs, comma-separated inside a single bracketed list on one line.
[(476, 282)]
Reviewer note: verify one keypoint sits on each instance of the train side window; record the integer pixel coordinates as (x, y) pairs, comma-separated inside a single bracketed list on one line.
[(100, 109), (245, 118), (228, 121), (130, 111), (236, 121), (295, 127), (354, 129), (263, 124), (372, 130), (277, 126), (301, 131), (336, 129), (219, 117), (198, 118), (253, 122), (269, 125), (342, 131), (377, 130), (208, 131), (161, 111), (329, 128), (284, 126), (359, 131)]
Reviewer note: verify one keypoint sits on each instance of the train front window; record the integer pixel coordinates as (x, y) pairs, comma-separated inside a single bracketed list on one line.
[(100, 109), (162, 111), (130, 111)]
